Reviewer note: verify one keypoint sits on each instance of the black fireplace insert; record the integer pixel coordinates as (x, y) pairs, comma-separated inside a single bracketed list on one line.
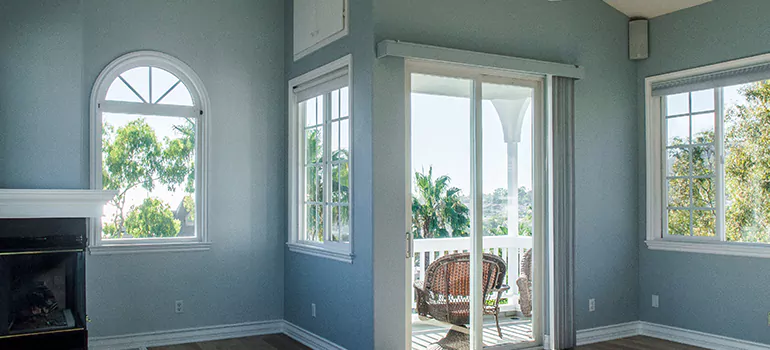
[(42, 284)]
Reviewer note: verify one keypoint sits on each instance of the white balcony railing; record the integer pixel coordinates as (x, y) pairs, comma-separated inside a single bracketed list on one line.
[(510, 248)]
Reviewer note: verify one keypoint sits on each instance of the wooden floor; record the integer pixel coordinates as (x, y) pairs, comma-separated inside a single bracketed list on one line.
[(638, 343), (262, 342)]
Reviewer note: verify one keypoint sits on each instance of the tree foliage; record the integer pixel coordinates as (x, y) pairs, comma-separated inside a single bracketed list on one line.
[(437, 210), (133, 157), (315, 183)]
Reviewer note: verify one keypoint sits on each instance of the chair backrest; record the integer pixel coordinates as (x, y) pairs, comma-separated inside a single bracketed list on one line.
[(450, 274)]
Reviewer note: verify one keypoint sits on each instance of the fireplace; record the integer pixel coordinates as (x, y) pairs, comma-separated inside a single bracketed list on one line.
[(42, 283), (43, 240)]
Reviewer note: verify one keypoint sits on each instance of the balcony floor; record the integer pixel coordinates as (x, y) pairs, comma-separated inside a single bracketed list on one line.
[(515, 331)]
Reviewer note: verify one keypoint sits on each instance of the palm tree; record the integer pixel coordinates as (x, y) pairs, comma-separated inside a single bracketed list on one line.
[(437, 211)]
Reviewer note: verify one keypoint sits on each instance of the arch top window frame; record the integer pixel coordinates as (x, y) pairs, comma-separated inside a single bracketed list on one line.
[(200, 111)]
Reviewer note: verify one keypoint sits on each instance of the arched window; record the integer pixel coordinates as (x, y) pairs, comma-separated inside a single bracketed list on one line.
[(148, 120)]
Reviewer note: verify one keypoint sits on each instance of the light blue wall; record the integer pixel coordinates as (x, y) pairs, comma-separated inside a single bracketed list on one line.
[(52, 52), (709, 293), (342, 292), (593, 35)]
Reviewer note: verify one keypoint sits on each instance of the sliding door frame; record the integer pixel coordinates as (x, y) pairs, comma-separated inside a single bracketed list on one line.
[(478, 76)]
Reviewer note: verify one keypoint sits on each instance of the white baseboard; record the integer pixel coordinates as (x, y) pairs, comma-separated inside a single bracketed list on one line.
[(141, 341), (187, 335), (308, 338), (654, 330)]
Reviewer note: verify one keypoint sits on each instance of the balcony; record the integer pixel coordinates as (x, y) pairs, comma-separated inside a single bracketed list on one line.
[(516, 329)]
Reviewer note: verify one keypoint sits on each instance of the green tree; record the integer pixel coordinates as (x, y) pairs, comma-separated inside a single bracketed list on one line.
[(437, 210), (315, 185), (153, 218), (133, 157)]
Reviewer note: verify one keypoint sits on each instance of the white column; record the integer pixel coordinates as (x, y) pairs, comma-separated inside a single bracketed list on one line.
[(513, 187)]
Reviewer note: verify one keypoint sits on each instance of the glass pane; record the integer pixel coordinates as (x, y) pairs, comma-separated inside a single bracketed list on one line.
[(320, 111), (440, 169), (703, 101), (344, 103), (314, 145), (335, 183), (335, 97), (703, 128), (309, 107), (344, 182), (178, 96), (335, 223), (679, 193), (162, 81), (507, 202), (747, 163), (139, 79), (703, 223), (150, 161), (335, 126), (678, 104), (345, 224), (345, 139), (704, 193), (703, 160), (678, 162), (679, 222), (678, 130), (119, 91)]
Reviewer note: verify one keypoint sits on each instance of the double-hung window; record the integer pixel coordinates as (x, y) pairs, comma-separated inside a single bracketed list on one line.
[(320, 171), (148, 121), (708, 159)]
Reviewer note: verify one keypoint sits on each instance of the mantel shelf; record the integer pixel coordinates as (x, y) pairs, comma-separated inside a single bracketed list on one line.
[(23, 203)]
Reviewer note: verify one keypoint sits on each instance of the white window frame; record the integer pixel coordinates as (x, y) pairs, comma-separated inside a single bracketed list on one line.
[(327, 249), (656, 207), (199, 111)]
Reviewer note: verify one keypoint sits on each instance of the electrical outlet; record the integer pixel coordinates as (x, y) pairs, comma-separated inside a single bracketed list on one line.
[(179, 306), (591, 305), (312, 310), (656, 301)]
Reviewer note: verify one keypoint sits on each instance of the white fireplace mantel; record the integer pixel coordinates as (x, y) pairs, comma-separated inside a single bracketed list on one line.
[(24, 203)]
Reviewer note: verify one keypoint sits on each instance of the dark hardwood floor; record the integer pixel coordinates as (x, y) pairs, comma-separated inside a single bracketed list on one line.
[(638, 343), (262, 342)]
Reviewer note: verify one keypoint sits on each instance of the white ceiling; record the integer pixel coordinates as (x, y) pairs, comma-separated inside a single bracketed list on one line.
[(652, 8)]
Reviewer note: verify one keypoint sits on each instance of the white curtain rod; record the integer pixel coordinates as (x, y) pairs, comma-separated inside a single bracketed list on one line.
[(395, 48)]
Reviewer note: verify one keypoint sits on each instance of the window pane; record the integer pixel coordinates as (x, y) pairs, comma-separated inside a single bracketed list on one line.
[(309, 107), (703, 128), (703, 160), (344, 179), (335, 98), (677, 104), (335, 234), (344, 103), (335, 126), (345, 139), (679, 193), (747, 163), (703, 101), (703, 193), (139, 79), (150, 161), (162, 82), (678, 162), (119, 91), (345, 223), (314, 145), (678, 130), (178, 96), (679, 222), (703, 223)]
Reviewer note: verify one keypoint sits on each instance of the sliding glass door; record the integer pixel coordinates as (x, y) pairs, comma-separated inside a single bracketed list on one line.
[(475, 145)]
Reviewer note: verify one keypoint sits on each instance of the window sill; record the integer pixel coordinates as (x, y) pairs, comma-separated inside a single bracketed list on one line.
[(111, 249), (320, 252), (720, 248)]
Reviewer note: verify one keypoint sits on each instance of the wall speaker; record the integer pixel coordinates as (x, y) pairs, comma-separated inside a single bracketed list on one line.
[(638, 42)]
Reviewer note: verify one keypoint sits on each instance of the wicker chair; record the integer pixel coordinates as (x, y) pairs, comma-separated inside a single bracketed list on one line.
[(445, 293)]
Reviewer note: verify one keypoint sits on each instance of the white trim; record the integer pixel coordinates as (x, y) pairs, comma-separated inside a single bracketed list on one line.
[(108, 249), (318, 251), (719, 248), (654, 330), (308, 338), (695, 338), (202, 105), (476, 59), (335, 251), (606, 333), (22, 203), (186, 335)]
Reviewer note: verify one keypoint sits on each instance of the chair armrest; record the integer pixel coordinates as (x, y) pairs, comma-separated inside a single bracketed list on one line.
[(420, 285)]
